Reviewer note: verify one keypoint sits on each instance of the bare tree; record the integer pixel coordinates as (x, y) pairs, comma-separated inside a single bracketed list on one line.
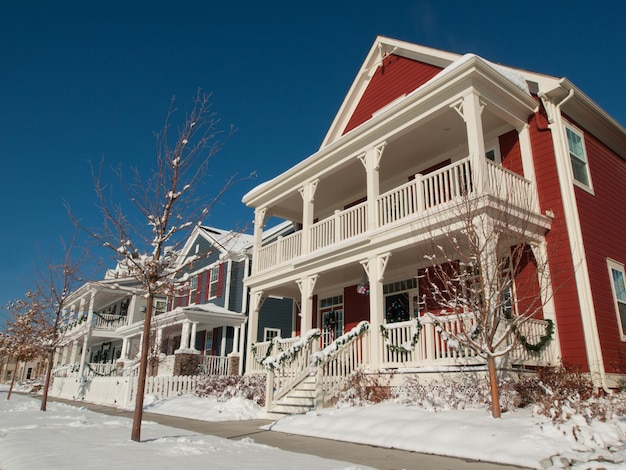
[(54, 283), (25, 335), (490, 271), (166, 205)]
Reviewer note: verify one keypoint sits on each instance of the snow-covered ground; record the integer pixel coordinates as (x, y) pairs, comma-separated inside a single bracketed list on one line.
[(67, 437)]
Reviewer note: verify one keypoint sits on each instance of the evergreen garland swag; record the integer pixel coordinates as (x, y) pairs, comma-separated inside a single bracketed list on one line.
[(543, 341), (406, 347)]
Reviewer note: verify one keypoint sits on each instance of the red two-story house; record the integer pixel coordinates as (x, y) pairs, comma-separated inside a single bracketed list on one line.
[(419, 133)]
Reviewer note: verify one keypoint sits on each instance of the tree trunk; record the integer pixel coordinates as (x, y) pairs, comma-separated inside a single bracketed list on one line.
[(143, 368), (12, 380), (46, 386), (493, 385)]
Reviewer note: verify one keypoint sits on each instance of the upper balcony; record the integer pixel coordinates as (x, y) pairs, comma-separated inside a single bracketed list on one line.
[(463, 134), (417, 199)]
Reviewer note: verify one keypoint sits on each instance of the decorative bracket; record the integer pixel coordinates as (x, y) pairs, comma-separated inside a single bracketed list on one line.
[(257, 300)]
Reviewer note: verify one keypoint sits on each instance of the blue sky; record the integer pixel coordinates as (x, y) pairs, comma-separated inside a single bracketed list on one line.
[(92, 80)]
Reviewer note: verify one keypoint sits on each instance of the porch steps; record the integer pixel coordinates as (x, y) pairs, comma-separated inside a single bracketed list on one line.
[(300, 400)]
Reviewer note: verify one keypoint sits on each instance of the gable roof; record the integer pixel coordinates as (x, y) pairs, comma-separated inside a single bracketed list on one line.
[(228, 242), (382, 49)]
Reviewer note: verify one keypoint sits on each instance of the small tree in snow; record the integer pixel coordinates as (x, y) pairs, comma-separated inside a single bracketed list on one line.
[(26, 332), (167, 205), (491, 273), (54, 284)]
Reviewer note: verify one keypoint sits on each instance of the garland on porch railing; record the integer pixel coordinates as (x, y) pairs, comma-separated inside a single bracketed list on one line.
[(543, 340), (107, 321), (268, 353), (286, 356), (100, 374), (408, 346), (322, 356)]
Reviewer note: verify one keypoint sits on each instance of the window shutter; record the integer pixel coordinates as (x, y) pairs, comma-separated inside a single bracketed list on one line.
[(220, 280), (199, 289)]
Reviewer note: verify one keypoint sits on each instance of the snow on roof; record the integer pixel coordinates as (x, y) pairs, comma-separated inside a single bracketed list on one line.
[(510, 74), (228, 240)]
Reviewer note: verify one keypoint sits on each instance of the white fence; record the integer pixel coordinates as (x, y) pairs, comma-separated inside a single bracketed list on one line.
[(120, 391)]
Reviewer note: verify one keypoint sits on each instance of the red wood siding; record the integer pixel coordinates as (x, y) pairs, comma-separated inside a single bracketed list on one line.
[(567, 306), (527, 290), (510, 152), (397, 76), (603, 225), (356, 308)]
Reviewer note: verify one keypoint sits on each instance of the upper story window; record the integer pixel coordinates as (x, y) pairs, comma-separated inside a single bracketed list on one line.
[(214, 281), (193, 288), (618, 286), (577, 155)]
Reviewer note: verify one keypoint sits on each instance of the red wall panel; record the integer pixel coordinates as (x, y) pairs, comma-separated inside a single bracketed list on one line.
[(395, 77)]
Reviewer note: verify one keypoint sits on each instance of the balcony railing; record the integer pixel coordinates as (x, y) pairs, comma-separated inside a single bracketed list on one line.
[(412, 199)]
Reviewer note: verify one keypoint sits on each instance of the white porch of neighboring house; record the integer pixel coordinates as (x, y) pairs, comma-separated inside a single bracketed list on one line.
[(90, 344), (174, 340), (369, 206)]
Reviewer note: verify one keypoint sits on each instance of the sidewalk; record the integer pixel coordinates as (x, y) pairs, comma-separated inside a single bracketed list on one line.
[(378, 457)]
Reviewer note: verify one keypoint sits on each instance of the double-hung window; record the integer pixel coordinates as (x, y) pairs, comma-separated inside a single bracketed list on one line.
[(214, 281), (193, 288), (618, 285), (577, 155)]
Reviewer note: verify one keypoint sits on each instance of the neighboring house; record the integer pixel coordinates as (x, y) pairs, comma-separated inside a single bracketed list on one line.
[(419, 130), (29, 371), (200, 330)]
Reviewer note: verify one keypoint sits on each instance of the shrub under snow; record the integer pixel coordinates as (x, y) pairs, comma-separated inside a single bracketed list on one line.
[(251, 387)]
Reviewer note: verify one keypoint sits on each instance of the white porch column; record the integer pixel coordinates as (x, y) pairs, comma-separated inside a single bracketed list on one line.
[(308, 212), (256, 300), (523, 134), (83, 356), (192, 340), (74, 352), (375, 269), (223, 342), (306, 286), (472, 110), (92, 301), (124, 356), (540, 251), (184, 336), (158, 339), (371, 161), (259, 224), (236, 332)]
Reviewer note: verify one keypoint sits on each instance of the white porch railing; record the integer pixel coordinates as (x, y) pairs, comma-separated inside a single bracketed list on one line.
[(213, 365), (100, 369), (432, 349), (261, 351), (169, 386), (108, 321), (411, 199)]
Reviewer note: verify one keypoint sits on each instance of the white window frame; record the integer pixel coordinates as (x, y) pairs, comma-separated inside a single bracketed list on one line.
[(580, 158), (617, 302), (193, 288), (213, 283), (270, 333)]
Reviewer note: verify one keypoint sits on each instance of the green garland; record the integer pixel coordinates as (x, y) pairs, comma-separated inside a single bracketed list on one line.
[(401, 349), (543, 341), (267, 353), (112, 372)]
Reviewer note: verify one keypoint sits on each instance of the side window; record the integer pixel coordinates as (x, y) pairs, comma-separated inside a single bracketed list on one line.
[(193, 287), (618, 286), (577, 155)]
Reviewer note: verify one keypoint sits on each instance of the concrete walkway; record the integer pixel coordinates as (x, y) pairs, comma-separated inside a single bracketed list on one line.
[(378, 457)]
